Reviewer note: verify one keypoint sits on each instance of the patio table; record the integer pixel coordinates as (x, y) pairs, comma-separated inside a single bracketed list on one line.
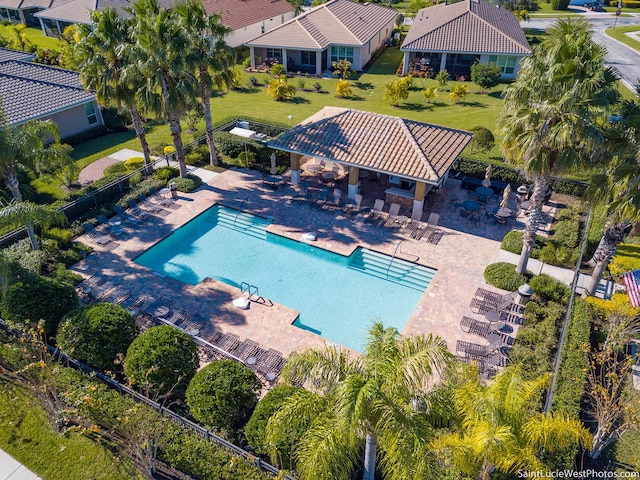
[(329, 175), (470, 205), (495, 340), (314, 168), (484, 192), (251, 360)]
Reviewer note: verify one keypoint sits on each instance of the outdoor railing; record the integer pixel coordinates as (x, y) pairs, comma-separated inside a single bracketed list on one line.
[(106, 193), (137, 396)]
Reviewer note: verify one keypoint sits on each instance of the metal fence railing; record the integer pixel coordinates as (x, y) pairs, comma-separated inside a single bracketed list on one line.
[(113, 190), (137, 396)]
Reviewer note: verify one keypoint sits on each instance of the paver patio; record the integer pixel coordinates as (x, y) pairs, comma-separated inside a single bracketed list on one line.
[(460, 254)]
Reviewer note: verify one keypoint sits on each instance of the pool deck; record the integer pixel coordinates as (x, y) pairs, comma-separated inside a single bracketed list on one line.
[(460, 255)]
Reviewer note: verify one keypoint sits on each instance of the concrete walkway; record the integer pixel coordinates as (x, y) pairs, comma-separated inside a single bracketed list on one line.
[(95, 170), (11, 469), (564, 275)]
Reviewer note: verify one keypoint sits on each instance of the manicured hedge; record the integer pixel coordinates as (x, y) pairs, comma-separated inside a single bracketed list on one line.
[(187, 184), (574, 364), (512, 242), (503, 275), (627, 258)]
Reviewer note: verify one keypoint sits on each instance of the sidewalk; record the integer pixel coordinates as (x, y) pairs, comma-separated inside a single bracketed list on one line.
[(564, 275), (11, 469)]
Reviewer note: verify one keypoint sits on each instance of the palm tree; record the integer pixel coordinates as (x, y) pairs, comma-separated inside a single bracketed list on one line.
[(551, 112), (25, 147), (18, 213), (618, 188), (160, 47), (500, 427), (376, 401), (106, 66), (209, 55)]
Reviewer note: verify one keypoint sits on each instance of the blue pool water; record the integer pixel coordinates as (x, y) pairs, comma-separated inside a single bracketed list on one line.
[(335, 297)]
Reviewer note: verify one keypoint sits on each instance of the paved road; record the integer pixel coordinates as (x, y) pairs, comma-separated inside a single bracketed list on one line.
[(625, 59)]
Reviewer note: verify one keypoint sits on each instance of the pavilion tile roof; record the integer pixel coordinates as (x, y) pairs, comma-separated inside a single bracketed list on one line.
[(79, 11), (339, 22), (382, 143), (7, 54), (237, 14), (30, 90), (469, 26)]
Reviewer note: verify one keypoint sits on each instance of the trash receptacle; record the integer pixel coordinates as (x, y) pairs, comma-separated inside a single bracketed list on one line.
[(174, 189)]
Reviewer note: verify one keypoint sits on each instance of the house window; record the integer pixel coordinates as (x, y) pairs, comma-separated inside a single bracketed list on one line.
[(339, 53), (91, 113), (14, 15), (308, 58), (281, 18), (262, 28), (275, 53), (506, 63)]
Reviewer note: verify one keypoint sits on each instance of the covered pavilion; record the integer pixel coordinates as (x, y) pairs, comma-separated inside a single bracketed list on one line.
[(417, 156)]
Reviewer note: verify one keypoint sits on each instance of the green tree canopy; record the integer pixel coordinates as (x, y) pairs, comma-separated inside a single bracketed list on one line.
[(98, 335), (38, 299), (485, 76), (223, 395), (162, 361)]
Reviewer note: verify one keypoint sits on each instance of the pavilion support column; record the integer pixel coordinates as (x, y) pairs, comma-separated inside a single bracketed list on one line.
[(252, 55), (319, 62), (405, 63), (354, 183), (284, 59), (418, 200), (295, 167), (443, 62)]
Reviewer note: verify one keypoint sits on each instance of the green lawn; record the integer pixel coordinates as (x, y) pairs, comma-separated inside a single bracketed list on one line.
[(620, 34), (26, 435), (36, 36)]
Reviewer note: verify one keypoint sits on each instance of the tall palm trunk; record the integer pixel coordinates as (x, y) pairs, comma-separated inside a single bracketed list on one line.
[(205, 94), (138, 124), (613, 235), (11, 181), (533, 220), (370, 457), (175, 128)]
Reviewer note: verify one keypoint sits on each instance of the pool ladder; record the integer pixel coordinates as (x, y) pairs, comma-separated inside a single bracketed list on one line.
[(253, 295)]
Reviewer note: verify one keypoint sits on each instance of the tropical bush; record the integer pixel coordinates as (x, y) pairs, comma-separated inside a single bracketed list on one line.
[(503, 275), (279, 89), (483, 139), (626, 258), (278, 69), (165, 174), (458, 93), (430, 94), (187, 184), (98, 335), (223, 395), (133, 163), (618, 304), (396, 91), (550, 289), (161, 361), (256, 428), (38, 299), (343, 89), (443, 77), (485, 76)]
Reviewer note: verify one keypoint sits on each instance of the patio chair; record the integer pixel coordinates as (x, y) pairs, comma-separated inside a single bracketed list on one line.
[(136, 211), (228, 342), (94, 235), (100, 292), (113, 230), (376, 211), (353, 209), (318, 204), (472, 350), (159, 199), (271, 362), (488, 296), (476, 327), (125, 217), (429, 228), (117, 296), (133, 303), (391, 219), (148, 205), (247, 348), (179, 317)]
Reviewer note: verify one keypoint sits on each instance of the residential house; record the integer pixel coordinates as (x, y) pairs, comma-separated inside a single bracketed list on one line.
[(22, 11), (336, 30), (31, 91), (454, 36), (249, 18)]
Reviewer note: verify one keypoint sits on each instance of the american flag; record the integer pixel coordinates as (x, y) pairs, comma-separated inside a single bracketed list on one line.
[(632, 282)]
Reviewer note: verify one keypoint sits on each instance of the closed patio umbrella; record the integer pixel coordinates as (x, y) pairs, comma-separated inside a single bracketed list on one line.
[(273, 164), (487, 177), (504, 203)]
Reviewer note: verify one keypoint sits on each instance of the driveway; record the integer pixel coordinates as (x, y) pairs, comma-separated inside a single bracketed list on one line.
[(625, 59)]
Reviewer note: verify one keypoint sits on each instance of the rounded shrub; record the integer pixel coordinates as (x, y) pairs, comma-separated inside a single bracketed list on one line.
[(161, 361), (39, 299), (549, 288), (256, 428), (278, 69), (483, 139), (169, 149), (503, 275), (133, 163), (98, 335), (223, 395), (187, 184), (63, 236), (165, 174)]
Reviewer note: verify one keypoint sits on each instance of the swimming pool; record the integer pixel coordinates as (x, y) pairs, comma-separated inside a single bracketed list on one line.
[(337, 296)]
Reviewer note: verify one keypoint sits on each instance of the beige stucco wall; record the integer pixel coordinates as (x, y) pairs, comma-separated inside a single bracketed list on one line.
[(367, 51), (74, 120), (244, 34)]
